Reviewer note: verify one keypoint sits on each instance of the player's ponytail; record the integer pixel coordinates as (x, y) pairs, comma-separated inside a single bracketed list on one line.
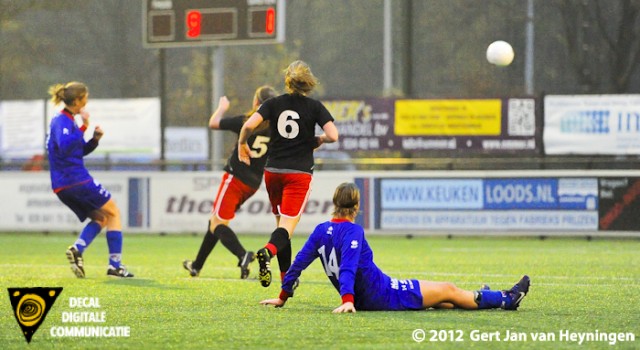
[(67, 93), (57, 93), (298, 78)]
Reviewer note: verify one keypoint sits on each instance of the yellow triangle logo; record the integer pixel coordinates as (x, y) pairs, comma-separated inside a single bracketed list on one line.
[(31, 305)]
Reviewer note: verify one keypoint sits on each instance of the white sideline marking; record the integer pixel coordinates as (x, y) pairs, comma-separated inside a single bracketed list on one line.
[(396, 274), (423, 273)]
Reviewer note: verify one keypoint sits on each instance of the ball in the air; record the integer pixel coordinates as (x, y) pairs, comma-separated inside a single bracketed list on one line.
[(500, 53)]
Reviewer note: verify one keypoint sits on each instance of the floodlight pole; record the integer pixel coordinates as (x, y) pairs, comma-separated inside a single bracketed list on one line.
[(163, 105), (529, 51), (387, 50), (217, 80)]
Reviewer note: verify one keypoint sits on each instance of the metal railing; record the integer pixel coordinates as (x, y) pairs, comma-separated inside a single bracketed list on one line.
[(383, 163)]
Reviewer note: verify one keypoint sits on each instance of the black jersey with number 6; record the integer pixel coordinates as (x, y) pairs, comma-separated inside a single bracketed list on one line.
[(251, 175), (293, 119)]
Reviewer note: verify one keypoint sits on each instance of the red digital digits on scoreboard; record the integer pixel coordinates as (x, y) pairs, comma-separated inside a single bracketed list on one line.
[(194, 23), (175, 23), (270, 27)]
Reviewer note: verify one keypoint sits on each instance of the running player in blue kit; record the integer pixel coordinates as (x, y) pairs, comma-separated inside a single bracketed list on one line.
[(73, 184), (348, 262)]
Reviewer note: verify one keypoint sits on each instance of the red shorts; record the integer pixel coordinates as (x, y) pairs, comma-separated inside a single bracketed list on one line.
[(288, 193), (231, 194)]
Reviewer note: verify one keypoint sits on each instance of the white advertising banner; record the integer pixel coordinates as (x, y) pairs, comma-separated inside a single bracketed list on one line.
[(22, 127), (186, 143), (29, 204), (488, 203), (592, 124), (531, 220), (182, 202), (153, 202), (131, 126)]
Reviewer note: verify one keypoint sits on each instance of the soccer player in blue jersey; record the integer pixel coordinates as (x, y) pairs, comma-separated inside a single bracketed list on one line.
[(293, 117), (73, 184), (239, 182), (348, 262)]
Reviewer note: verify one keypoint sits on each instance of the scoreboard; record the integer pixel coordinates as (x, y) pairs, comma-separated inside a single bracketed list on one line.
[(183, 23)]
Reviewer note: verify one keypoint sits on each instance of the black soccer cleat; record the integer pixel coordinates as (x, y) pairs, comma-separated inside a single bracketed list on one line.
[(247, 259), (118, 272), (76, 261), (264, 261), (188, 265), (517, 293)]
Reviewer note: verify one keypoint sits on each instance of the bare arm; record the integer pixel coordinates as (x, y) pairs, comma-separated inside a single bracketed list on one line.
[(243, 149), (330, 134), (223, 106)]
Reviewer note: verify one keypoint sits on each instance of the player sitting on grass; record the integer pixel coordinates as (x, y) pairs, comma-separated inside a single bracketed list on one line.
[(348, 262)]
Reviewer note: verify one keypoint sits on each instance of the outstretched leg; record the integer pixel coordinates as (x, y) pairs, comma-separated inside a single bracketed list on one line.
[(448, 295), (451, 306)]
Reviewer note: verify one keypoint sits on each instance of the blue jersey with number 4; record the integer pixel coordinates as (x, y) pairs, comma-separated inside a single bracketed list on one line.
[(348, 262)]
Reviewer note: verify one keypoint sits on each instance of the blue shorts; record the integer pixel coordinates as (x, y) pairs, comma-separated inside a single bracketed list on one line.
[(406, 297), (399, 295), (84, 198)]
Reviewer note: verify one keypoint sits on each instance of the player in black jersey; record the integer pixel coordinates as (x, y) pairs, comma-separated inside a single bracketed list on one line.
[(288, 173), (239, 182)]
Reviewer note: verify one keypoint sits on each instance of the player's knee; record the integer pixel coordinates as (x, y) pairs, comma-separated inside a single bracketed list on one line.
[(449, 288), (111, 211), (100, 220)]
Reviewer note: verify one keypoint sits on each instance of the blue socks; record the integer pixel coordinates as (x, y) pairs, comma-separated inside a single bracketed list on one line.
[(114, 240), (490, 299), (87, 235)]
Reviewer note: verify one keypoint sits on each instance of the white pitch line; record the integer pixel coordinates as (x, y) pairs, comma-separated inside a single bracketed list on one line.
[(391, 273), (411, 273)]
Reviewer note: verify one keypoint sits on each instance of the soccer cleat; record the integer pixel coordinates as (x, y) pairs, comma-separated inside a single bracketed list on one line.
[(188, 265), (76, 261), (244, 264), (118, 272), (485, 287), (516, 294), (264, 261)]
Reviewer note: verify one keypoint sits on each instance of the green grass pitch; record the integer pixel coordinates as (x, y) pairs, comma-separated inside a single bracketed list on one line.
[(578, 286)]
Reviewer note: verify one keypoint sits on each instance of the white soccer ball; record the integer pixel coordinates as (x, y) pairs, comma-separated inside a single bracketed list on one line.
[(500, 53)]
